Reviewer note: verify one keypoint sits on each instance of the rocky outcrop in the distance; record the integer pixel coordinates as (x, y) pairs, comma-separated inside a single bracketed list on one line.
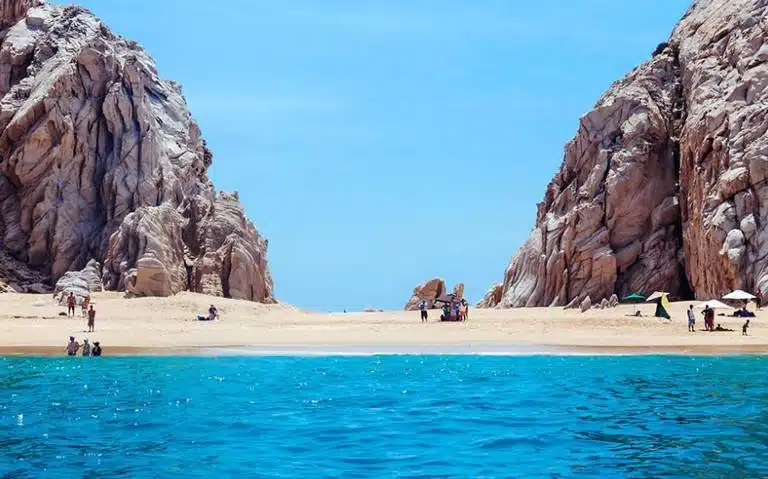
[(664, 186), (428, 292), (100, 158)]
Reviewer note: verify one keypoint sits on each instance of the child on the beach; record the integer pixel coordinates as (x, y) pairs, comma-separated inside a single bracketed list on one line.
[(744, 329)]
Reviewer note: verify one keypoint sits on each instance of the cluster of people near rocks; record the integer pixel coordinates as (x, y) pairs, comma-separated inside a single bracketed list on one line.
[(453, 310)]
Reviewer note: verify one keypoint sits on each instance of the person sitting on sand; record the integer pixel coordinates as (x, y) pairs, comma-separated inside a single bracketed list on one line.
[(744, 329), (73, 347), (213, 313), (691, 320), (71, 303), (86, 348), (96, 349)]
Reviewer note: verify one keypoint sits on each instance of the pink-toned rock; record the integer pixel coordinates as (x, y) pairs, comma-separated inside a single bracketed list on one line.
[(663, 187), (102, 159), (458, 291), (492, 297), (428, 292)]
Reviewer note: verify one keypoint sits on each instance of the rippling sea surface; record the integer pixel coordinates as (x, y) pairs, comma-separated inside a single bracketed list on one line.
[(384, 416)]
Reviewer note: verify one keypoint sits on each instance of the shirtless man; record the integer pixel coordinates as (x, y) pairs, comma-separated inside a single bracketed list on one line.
[(73, 347), (91, 320), (71, 303)]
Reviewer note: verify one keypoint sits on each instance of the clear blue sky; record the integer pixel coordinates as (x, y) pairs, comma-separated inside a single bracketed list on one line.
[(379, 144)]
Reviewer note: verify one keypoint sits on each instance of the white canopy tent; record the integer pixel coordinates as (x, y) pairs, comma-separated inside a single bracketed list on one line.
[(739, 295), (713, 304)]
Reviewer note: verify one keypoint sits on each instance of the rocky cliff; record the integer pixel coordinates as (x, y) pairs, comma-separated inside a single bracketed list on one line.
[(101, 159), (664, 186)]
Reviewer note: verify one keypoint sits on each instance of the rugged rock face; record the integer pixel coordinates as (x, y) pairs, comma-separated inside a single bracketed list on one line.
[(492, 297), (664, 186), (428, 291), (82, 283), (100, 158)]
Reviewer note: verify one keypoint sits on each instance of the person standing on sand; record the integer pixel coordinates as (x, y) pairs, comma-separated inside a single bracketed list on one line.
[(744, 329), (91, 320), (71, 303), (72, 347), (86, 348), (424, 313), (691, 320), (86, 301)]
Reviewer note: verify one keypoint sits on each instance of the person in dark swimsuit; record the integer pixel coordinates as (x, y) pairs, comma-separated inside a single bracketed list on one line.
[(96, 351), (744, 329)]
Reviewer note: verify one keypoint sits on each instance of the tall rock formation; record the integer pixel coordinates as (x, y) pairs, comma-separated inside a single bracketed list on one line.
[(664, 186), (101, 159)]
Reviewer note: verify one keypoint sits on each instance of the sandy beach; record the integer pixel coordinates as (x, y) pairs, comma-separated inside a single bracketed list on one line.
[(31, 324)]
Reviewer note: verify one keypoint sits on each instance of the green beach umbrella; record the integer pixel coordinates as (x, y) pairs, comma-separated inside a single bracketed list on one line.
[(634, 297)]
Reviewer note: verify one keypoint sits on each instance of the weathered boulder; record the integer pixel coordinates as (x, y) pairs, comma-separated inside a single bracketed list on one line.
[(586, 304), (82, 283), (664, 186), (428, 291), (100, 158), (614, 301), (492, 297), (458, 291), (573, 304), (604, 304)]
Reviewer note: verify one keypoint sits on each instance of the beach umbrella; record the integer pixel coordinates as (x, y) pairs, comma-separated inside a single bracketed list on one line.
[(633, 297), (739, 295), (656, 295), (713, 304)]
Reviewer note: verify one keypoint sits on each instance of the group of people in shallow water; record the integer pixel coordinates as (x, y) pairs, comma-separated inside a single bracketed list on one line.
[(709, 320), (455, 310), (73, 347)]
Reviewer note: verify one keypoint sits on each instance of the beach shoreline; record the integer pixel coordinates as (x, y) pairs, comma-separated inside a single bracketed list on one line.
[(32, 325), (315, 350)]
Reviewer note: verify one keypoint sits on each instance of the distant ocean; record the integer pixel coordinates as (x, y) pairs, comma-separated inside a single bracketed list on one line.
[(384, 417)]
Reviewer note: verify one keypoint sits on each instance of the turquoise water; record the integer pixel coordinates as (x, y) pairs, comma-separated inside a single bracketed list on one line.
[(384, 416)]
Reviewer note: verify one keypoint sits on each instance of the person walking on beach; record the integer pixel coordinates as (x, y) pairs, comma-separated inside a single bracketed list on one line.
[(91, 320), (691, 320), (96, 349), (744, 329), (424, 313), (71, 303), (72, 347), (86, 348)]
